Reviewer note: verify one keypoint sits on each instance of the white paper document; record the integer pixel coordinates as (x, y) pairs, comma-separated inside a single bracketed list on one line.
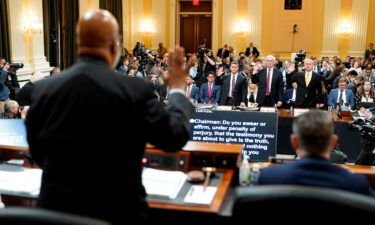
[(198, 195), (21, 182), (163, 183)]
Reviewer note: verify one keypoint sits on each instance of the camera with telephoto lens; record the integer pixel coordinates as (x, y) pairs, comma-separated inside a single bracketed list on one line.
[(16, 65), (301, 55), (202, 50), (365, 128)]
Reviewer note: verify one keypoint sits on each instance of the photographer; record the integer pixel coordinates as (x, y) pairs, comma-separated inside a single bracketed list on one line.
[(13, 111), (210, 65), (4, 91), (366, 156)]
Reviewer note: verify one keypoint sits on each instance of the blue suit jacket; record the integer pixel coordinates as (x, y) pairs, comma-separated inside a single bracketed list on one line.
[(194, 93), (203, 94), (333, 95), (288, 95), (315, 171)]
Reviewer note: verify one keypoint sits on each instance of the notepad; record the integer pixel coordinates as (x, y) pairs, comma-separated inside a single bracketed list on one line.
[(26, 182), (197, 195), (160, 183)]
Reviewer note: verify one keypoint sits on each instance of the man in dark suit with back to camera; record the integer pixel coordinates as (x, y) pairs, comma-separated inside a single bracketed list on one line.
[(309, 86), (270, 82), (313, 139), (233, 87), (88, 165)]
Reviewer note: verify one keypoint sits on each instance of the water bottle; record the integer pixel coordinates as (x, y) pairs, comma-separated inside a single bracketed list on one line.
[(254, 174), (244, 175)]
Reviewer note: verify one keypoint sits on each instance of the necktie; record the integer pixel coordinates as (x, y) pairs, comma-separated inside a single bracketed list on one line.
[(188, 92), (233, 84), (268, 82), (210, 90), (341, 100), (308, 78)]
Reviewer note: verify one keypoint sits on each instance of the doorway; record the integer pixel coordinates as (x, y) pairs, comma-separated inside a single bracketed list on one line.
[(195, 25)]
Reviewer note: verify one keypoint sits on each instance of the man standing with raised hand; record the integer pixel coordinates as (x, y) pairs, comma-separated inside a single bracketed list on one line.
[(87, 164)]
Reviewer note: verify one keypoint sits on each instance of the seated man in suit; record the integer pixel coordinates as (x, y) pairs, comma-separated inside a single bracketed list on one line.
[(290, 97), (313, 139), (341, 95), (191, 91), (209, 93)]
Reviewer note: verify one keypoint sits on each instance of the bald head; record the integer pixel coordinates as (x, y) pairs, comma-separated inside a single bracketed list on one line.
[(98, 35)]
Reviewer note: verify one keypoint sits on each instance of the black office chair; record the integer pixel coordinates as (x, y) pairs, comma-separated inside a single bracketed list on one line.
[(288, 202), (32, 216)]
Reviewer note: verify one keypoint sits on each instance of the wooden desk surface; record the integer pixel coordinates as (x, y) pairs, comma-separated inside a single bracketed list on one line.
[(215, 205), (284, 113), (16, 148), (196, 146)]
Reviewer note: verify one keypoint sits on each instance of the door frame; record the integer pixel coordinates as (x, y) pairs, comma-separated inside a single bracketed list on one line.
[(178, 20)]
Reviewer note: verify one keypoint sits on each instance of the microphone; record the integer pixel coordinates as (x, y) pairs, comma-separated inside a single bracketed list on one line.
[(294, 28)]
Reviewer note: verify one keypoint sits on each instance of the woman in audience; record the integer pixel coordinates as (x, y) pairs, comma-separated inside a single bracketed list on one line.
[(365, 94), (356, 67)]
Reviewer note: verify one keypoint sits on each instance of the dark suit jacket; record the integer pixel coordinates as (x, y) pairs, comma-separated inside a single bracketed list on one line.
[(194, 92), (163, 92), (367, 53), (311, 94), (240, 92), (220, 53), (277, 85), (289, 95), (87, 130), (255, 52), (23, 97), (314, 171), (203, 94)]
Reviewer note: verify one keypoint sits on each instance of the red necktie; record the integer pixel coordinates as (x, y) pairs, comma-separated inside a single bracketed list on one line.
[(188, 92), (268, 82), (210, 90), (233, 84)]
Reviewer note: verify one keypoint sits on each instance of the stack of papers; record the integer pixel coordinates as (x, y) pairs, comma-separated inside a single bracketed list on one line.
[(163, 183), (25, 182), (198, 195)]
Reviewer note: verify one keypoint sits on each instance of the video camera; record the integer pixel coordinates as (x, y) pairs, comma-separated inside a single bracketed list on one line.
[(365, 127), (202, 50), (301, 55), (142, 55), (16, 65), (141, 51)]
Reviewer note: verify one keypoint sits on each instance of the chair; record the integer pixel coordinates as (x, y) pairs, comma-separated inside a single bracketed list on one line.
[(32, 216), (281, 202)]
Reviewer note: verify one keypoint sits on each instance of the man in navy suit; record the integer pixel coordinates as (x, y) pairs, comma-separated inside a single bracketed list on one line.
[(290, 97), (341, 95), (270, 82), (191, 91), (313, 139), (209, 93), (233, 87)]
